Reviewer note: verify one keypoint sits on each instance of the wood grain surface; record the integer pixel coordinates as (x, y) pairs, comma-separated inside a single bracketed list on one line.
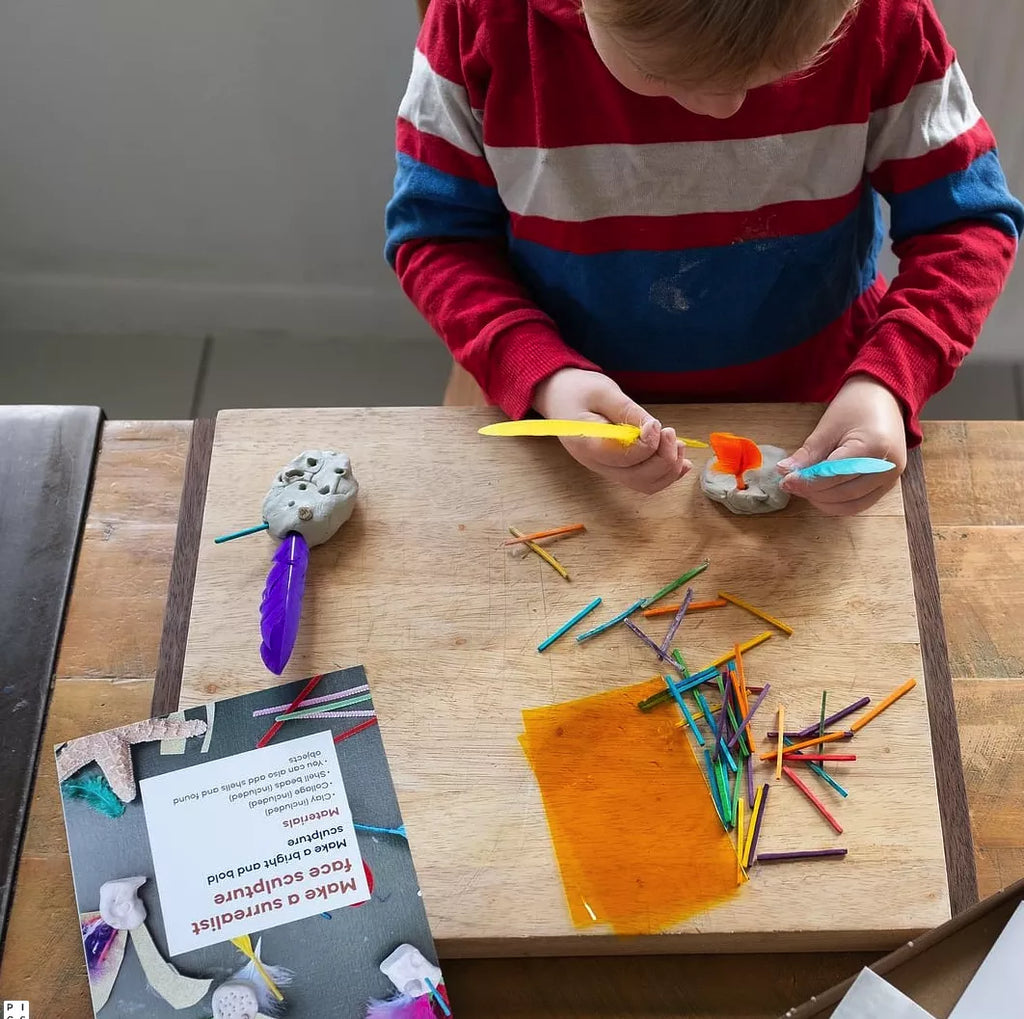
[(137, 492), (447, 625), (46, 460)]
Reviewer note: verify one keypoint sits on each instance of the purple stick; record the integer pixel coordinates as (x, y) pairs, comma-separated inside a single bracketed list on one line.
[(760, 818), (723, 718), (667, 658), (847, 734), (678, 619), (812, 729), (750, 781), (750, 714), (803, 854)]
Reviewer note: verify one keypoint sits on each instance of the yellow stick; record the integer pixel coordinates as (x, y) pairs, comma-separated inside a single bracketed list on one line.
[(879, 708), (740, 603), (752, 643), (782, 726), (742, 691), (752, 824), (542, 552), (739, 840)]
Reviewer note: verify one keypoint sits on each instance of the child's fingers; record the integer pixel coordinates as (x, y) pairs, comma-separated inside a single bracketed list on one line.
[(649, 477), (851, 507)]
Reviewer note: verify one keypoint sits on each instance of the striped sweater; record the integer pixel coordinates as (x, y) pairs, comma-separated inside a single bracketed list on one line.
[(545, 217)]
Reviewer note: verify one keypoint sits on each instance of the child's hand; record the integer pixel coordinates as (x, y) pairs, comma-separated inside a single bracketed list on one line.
[(648, 466), (864, 419)]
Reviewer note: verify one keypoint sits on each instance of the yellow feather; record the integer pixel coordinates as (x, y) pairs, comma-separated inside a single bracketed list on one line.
[(539, 427)]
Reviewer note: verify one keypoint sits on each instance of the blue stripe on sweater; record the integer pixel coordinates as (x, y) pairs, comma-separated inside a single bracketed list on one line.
[(704, 308), (430, 203), (979, 192)]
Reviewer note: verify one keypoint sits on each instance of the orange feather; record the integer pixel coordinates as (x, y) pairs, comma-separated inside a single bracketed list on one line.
[(734, 455)]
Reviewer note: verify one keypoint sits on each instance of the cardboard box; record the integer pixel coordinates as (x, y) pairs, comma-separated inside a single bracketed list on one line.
[(935, 969)]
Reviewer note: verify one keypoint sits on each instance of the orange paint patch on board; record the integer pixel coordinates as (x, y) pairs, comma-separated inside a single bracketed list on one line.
[(639, 845), (735, 455)]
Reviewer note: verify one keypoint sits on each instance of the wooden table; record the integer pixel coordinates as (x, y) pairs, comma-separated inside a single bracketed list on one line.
[(108, 659)]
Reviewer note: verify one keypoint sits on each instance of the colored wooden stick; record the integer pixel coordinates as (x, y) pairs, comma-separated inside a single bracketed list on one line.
[(663, 655), (819, 771), (829, 737), (713, 783), (542, 552), (708, 672), (678, 656), (677, 583), (695, 606), (241, 534), (739, 840), (355, 728), (742, 688), (745, 724), (800, 854), (737, 789), (740, 603), (799, 783), (752, 848), (442, 1004), (806, 758), (887, 703), (821, 720), (537, 535), (566, 627), (621, 617), (778, 756), (722, 728), (754, 807), (750, 785), (811, 729), (686, 711), (334, 706), (276, 727), (723, 792), (677, 621)]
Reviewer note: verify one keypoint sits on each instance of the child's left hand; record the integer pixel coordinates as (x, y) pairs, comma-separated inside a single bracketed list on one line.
[(864, 419)]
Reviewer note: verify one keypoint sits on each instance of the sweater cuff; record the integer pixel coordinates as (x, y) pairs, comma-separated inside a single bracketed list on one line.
[(521, 357), (908, 365)]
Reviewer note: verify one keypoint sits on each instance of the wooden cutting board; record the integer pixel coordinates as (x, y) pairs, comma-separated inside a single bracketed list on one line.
[(447, 624)]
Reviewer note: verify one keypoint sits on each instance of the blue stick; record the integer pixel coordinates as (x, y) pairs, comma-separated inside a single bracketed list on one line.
[(611, 622), (437, 997), (566, 627), (685, 710), (713, 782), (400, 832), (241, 534)]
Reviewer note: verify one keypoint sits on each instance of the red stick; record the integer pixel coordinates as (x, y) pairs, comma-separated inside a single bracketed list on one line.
[(355, 728), (795, 779), (798, 757), (276, 727)]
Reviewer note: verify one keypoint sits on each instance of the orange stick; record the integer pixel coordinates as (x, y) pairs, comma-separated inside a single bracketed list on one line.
[(782, 727), (741, 689), (830, 737), (795, 779), (570, 529), (695, 606), (880, 707)]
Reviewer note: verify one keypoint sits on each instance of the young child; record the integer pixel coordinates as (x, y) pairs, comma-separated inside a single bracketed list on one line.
[(678, 200)]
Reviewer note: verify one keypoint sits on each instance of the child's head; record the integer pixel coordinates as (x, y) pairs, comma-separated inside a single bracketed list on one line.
[(706, 54)]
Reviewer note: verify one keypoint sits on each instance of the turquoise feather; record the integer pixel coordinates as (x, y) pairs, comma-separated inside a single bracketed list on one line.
[(851, 465), (92, 788)]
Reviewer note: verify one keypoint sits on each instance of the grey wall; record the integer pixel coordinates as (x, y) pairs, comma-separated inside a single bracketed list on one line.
[(182, 167)]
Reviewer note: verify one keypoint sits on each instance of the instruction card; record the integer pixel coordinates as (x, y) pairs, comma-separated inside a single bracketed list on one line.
[(252, 841)]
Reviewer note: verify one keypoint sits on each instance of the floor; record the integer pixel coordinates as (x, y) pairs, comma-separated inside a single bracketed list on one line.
[(156, 377)]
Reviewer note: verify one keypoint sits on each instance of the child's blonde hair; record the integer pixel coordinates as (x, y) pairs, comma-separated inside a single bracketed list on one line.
[(722, 41)]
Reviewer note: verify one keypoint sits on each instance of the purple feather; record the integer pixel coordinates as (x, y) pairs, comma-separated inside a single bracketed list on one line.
[(282, 602), (98, 939)]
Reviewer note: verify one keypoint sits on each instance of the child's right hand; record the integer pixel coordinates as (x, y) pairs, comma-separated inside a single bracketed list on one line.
[(649, 465)]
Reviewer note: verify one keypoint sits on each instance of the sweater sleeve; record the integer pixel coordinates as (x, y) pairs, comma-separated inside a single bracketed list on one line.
[(954, 224), (447, 227)]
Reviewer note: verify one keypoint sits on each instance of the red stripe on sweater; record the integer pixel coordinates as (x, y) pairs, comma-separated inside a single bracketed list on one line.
[(441, 154), (900, 175), (669, 233)]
